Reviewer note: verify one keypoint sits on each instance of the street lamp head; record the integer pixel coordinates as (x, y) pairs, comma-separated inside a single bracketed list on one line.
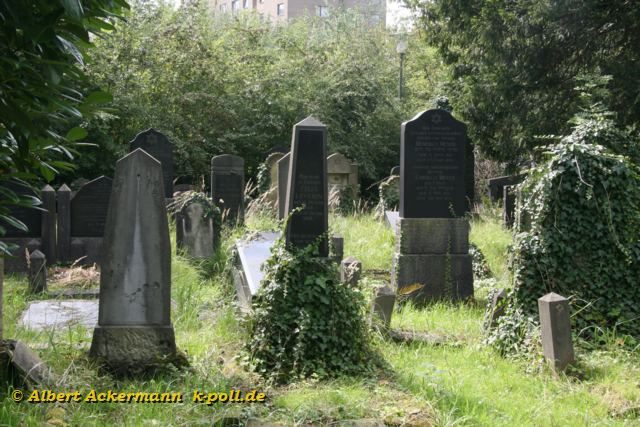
[(401, 47)]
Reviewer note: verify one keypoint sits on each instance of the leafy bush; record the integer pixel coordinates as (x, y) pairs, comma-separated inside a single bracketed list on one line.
[(583, 207), (305, 322)]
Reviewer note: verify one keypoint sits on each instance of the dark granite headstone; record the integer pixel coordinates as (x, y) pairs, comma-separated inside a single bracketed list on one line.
[(89, 208), (227, 185), (157, 145), (307, 187), (433, 164)]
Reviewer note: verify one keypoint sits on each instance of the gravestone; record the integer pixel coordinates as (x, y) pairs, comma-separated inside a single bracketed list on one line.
[(197, 234), (134, 324), (271, 164), (555, 329), (432, 240), (307, 186), (227, 186), (350, 271), (342, 175), (37, 272), (157, 145), (509, 205), (283, 180), (87, 218), (382, 306), (41, 233), (497, 184)]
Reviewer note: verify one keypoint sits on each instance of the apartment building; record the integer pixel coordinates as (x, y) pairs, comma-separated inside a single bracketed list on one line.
[(283, 10)]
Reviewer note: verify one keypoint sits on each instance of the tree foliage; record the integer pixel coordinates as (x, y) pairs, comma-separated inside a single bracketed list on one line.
[(235, 84), (43, 87), (515, 64)]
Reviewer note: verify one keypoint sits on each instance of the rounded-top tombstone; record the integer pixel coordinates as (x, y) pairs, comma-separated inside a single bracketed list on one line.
[(157, 145), (227, 185)]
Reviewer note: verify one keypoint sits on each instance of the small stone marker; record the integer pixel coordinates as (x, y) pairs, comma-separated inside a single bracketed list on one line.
[(337, 243), (227, 186), (160, 148), (382, 305), (37, 272), (134, 323), (350, 271), (283, 179), (555, 328), (307, 186), (198, 235), (496, 309)]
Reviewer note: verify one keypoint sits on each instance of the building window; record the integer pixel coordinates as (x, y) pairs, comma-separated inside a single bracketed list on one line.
[(322, 11), (235, 5), (280, 9), (245, 4)]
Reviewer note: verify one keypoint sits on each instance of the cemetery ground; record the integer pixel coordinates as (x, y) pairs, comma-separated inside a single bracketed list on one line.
[(454, 381)]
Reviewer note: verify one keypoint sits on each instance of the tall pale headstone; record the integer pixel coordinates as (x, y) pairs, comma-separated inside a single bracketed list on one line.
[(432, 239), (134, 324), (157, 145), (555, 329), (227, 186), (283, 181), (307, 186)]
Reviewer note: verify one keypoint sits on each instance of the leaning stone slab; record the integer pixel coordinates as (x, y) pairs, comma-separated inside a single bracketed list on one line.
[(555, 328), (432, 236), (438, 277), (252, 253), (29, 370), (134, 327)]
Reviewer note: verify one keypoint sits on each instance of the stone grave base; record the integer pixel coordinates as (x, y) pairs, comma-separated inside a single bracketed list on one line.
[(432, 236), (133, 348), (443, 276)]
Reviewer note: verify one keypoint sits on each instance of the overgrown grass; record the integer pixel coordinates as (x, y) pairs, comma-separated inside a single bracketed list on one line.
[(456, 382)]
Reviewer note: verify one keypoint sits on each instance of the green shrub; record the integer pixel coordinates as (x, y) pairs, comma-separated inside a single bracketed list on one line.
[(304, 322), (583, 210)]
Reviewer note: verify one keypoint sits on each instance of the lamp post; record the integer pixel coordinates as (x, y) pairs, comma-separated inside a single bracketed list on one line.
[(401, 48)]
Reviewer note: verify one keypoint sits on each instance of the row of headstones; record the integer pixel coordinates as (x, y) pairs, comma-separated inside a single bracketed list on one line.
[(342, 175)]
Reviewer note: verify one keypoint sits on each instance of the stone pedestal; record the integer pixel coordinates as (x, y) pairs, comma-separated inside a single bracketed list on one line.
[(433, 253), (555, 329), (126, 345)]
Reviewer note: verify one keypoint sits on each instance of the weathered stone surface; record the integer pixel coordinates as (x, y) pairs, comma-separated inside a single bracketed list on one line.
[(271, 164), (442, 276), (382, 305), (350, 271), (135, 280), (60, 315), (227, 186), (392, 218), (434, 151), (283, 180), (555, 328), (64, 223), (508, 205), (30, 369), (160, 148), (199, 237), (252, 253), (432, 236), (37, 272), (307, 187), (342, 174), (496, 309)]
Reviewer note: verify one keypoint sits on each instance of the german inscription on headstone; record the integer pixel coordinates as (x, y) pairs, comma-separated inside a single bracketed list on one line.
[(307, 186), (157, 145), (432, 166), (227, 185)]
